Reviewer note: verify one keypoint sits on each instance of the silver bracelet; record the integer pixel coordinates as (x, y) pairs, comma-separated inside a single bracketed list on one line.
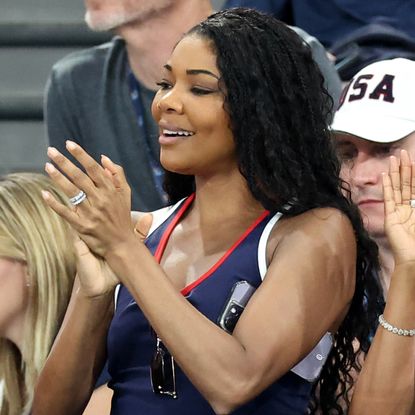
[(393, 329)]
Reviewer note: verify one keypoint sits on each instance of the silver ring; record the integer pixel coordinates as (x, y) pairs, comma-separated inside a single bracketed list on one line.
[(77, 199), (412, 203)]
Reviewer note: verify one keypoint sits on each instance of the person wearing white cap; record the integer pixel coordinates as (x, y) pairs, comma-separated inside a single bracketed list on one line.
[(374, 128), (375, 119)]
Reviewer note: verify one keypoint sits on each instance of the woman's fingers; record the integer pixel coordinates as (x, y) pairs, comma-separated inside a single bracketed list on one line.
[(65, 212), (143, 225), (395, 178), (81, 248), (115, 171), (66, 185), (413, 180), (405, 178), (388, 194), (72, 172), (93, 169), (399, 184)]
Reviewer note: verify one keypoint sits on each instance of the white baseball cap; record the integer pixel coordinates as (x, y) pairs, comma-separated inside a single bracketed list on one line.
[(379, 102)]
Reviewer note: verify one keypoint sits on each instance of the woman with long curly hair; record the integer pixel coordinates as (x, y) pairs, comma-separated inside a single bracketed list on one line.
[(257, 214), (37, 270)]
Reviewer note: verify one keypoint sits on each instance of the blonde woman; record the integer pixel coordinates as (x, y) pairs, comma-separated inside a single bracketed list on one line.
[(37, 269)]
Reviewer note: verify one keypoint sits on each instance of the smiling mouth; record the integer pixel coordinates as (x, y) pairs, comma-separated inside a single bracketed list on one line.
[(178, 133)]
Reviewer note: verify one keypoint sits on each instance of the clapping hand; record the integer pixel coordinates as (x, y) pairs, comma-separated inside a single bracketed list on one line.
[(399, 197), (101, 219), (100, 196)]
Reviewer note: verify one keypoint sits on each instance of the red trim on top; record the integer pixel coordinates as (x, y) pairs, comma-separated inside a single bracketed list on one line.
[(186, 290), (166, 235)]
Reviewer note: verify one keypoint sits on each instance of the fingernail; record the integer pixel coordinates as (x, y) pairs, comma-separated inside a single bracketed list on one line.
[(52, 151), (103, 156), (50, 168), (70, 145), (45, 194)]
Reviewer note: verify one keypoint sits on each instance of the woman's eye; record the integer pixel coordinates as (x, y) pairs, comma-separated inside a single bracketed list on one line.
[(201, 91), (163, 85)]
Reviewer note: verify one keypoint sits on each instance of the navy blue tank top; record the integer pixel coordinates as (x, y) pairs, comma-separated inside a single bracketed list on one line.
[(131, 342)]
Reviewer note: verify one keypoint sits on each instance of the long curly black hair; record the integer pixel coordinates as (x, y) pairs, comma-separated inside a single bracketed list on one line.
[(279, 109)]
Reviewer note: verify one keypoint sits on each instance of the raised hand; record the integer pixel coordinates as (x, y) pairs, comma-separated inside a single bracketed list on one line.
[(95, 276), (102, 219), (399, 193)]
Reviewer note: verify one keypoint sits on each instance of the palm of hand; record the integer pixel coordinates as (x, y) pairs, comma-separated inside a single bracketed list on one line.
[(95, 276), (400, 230), (398, 193)]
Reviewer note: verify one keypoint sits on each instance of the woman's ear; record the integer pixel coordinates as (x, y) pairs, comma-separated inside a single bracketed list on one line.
[(28, 278)]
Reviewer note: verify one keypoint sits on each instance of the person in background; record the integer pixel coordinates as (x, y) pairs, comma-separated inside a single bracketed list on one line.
[(37, 270), (253, 177), (374, 123), (375, 120), (355, 33), (386, 384), (101, 97)]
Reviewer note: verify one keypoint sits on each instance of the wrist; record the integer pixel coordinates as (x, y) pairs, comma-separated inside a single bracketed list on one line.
[(403, 275), (123, 249), (85, 295)]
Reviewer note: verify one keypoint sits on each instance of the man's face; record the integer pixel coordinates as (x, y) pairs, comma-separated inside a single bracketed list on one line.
[(362, 164), (104, 15)]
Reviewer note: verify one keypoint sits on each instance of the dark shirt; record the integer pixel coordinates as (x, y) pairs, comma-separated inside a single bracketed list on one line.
[(88, 101), (331, 20), (131, 342)]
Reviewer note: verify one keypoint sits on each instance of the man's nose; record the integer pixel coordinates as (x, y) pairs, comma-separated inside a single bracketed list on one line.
[(365, 171)]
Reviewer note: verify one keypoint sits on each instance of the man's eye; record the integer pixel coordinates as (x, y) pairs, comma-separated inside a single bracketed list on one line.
[(345, 155), (385, 150)]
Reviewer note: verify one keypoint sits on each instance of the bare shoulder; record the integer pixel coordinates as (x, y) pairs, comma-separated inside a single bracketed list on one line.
[(314, 253), (319, 248), (327, 232)]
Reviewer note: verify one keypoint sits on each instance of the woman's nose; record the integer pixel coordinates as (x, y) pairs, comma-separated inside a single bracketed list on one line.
[(171, 102)]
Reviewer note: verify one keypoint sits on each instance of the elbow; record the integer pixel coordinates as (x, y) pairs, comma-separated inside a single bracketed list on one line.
[(231, 396)]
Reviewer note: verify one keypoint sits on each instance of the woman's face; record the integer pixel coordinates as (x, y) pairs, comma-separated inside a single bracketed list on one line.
[(195, 135), (13, 298)]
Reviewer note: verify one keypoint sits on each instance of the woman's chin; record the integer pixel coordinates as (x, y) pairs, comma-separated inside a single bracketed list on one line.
[(175, 166)]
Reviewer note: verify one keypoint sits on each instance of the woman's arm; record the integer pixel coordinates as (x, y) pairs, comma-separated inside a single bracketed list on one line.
[(387, 381), (100, 402), (298, 302)]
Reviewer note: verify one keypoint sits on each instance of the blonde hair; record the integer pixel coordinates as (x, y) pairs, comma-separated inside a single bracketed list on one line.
[(32, 233)]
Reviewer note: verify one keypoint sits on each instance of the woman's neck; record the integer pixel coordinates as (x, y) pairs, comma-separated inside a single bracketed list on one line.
[(387, 263), (224, 198)]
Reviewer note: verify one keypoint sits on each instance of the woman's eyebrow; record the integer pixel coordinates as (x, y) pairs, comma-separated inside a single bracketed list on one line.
[(194, 71), (201, 71)]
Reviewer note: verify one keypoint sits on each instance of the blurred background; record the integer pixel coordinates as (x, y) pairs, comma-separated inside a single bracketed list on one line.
[(34, 34)]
